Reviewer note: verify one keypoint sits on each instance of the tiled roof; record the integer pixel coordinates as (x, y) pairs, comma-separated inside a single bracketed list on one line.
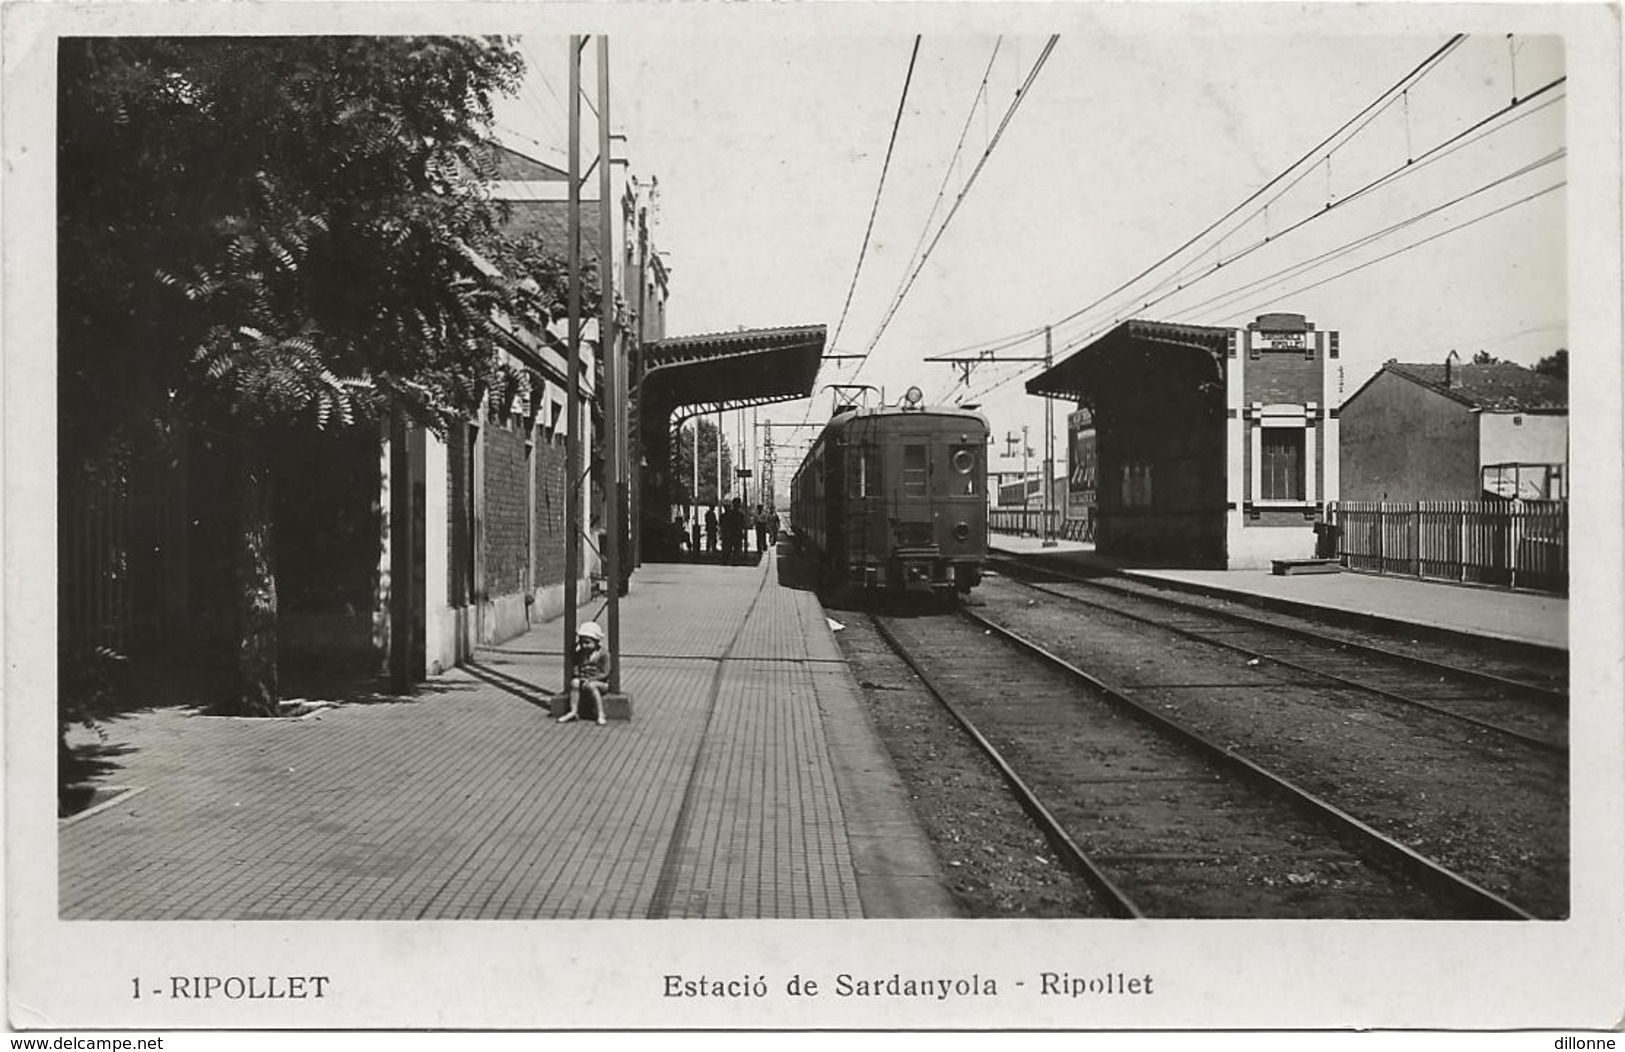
[(511, 164), (1504, 386), (551, 221)]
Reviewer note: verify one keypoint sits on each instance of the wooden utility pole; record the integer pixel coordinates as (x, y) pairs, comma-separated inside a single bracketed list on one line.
[(573, 437)]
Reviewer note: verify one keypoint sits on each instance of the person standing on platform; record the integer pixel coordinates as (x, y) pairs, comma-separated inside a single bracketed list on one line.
[(741, 527), (730, 529), (764, 526), (710, 529)]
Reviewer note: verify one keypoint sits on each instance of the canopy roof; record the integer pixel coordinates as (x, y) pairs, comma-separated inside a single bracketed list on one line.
[(1080, 375), (731, 370)]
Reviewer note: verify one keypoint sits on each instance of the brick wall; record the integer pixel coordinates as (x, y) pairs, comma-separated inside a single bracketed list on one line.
[(548, 538), (1283, 377), (506, 490)]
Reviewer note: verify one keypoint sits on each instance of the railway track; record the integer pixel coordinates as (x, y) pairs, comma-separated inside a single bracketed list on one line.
[(1524, 710), (1159, 819)]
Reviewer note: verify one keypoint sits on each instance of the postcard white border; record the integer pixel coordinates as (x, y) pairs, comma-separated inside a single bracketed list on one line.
[(558, 974)]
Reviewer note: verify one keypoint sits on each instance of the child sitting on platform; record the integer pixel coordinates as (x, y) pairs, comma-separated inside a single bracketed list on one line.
[(591, 663)]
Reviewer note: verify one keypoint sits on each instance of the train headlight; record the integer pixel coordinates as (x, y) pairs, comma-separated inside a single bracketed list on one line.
[(962, 531), (964, 461), (913, 398)]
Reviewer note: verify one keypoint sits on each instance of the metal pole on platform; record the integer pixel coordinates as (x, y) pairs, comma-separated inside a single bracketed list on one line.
[(1049, 446), (1026, 479), (573, 437), (614, 405)]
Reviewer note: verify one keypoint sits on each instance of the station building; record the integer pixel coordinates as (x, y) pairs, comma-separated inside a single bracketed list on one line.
[(1214, 447)]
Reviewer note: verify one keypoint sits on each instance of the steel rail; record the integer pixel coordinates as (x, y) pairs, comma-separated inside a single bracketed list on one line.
[(1117, 901), (1480, 903), (1544, 693), (1560, 748), (1159, 595)]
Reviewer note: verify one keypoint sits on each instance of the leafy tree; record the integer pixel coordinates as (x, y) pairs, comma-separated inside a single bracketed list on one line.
[(263, 232), (1555, 365), (1484, 358), (684, 464)]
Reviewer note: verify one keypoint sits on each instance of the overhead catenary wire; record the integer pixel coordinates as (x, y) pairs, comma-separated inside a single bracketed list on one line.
[(1313, 152), (1344, 135), (1241, 291), (1403, 249), (1397, 172), (952, 166), (1276, 298), (551, 115), (1411, 166), (1357, 122), (880, 188), (1496, 121), (1009, 114)]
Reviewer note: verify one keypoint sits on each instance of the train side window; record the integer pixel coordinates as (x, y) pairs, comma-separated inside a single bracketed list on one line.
[(914, 471)]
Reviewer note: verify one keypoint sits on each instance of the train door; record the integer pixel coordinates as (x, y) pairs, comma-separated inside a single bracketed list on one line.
[(910, 470), (863, 480)]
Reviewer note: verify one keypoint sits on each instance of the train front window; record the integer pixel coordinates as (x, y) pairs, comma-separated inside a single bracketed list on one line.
[(914, 471), (964, 461)]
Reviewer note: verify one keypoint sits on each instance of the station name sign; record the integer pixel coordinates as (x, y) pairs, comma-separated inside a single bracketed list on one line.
[(1279, 341)]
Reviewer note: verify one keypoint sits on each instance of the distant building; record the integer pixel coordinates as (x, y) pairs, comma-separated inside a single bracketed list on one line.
[(1455, 431), (1204, 446)]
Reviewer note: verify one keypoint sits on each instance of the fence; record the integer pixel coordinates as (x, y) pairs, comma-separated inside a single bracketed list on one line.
[(1024, 522), (93, 578), (1517, 543), (1029, 522)]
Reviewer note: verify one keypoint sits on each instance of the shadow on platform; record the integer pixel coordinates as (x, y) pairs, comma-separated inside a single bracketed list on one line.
[(711, 559)]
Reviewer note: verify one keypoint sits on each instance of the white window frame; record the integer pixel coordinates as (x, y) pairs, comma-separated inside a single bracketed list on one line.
[(1284, 415)]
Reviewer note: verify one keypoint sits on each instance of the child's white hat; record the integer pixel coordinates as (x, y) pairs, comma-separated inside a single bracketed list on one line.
[(591, 631)]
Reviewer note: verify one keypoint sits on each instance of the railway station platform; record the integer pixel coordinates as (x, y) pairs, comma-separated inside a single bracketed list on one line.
[(1524, 618), (749, 783)]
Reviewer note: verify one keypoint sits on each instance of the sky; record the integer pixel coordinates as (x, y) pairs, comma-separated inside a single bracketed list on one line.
[(769, 146)]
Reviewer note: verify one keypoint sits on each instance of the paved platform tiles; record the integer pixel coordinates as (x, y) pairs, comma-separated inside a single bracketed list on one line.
[(1492, 613), (748, 784)]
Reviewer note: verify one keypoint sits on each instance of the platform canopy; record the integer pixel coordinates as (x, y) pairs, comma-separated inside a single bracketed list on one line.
[(1133, 349), (731, 370)]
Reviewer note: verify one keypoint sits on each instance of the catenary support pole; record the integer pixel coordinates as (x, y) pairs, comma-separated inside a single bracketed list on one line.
[(572, 412), (609, 344), (1049, 448)]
